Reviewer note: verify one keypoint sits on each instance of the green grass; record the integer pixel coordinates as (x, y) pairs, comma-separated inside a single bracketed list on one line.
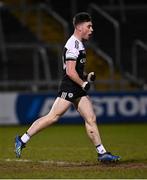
[(64, 151)]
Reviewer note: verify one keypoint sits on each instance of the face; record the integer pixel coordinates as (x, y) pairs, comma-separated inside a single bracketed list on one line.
[(86, 30)]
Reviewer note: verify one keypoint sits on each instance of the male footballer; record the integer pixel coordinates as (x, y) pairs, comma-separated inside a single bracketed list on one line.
[(72, 91)]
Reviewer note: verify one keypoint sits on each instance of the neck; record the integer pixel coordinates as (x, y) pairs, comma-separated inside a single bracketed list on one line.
[(77, 35)]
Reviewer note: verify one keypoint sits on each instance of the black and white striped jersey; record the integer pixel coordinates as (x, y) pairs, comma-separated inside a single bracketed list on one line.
[(74, 50)]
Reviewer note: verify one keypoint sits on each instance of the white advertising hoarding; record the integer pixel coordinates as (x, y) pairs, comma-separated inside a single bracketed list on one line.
[(7, 108)]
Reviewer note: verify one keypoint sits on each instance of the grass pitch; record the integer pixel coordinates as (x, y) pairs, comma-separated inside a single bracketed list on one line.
[(64, 151)]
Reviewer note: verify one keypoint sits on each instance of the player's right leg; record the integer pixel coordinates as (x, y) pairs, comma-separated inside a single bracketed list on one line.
[(59, 107), (84, 107)]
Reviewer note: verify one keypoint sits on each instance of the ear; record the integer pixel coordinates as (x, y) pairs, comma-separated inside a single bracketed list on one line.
[(79, 27)]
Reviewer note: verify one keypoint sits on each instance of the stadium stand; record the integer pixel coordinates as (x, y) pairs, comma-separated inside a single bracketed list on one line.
[(27, 58), (15, 32), (40, 23)]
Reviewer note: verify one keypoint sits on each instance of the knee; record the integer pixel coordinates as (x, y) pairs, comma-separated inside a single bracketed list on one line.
[(91, 119), (52, 118)]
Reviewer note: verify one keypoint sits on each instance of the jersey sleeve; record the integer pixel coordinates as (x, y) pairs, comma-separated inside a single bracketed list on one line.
[(72, 47), (71, 54)]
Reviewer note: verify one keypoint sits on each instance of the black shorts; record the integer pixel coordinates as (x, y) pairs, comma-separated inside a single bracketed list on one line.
[(71, 96)]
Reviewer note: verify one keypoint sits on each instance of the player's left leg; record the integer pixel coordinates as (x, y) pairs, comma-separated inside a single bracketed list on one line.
[(85, 108)]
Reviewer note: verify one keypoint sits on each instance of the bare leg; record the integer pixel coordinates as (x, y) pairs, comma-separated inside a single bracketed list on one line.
[(59, 107), (84, 106)]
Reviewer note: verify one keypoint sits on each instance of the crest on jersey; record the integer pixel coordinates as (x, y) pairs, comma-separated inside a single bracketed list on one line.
[(83, 60), (76, 44), (70, 95)]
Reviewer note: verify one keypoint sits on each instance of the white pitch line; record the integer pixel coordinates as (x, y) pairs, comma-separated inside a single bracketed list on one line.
[(17, 160), (45, 161)]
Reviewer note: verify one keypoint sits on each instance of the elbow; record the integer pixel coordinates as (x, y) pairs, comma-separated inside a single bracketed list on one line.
[(70, 74)]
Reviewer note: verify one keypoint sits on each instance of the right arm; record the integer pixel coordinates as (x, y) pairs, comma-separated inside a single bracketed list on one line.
[(72, 73)]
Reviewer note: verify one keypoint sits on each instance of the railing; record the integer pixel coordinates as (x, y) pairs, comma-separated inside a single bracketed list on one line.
[(137, 43), (109, 62), (36, 82), (42, 8), (39, 50), (58, 18), (106, 57), (93, 7), (111, 80), (134, 76)]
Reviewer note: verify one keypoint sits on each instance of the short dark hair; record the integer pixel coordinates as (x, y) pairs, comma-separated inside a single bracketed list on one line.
[(81, 17)]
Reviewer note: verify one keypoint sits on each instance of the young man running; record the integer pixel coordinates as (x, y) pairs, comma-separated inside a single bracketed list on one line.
[(73, 91)]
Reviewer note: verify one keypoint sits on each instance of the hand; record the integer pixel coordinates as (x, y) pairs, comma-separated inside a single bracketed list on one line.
[(91, 77), (86, 86)]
